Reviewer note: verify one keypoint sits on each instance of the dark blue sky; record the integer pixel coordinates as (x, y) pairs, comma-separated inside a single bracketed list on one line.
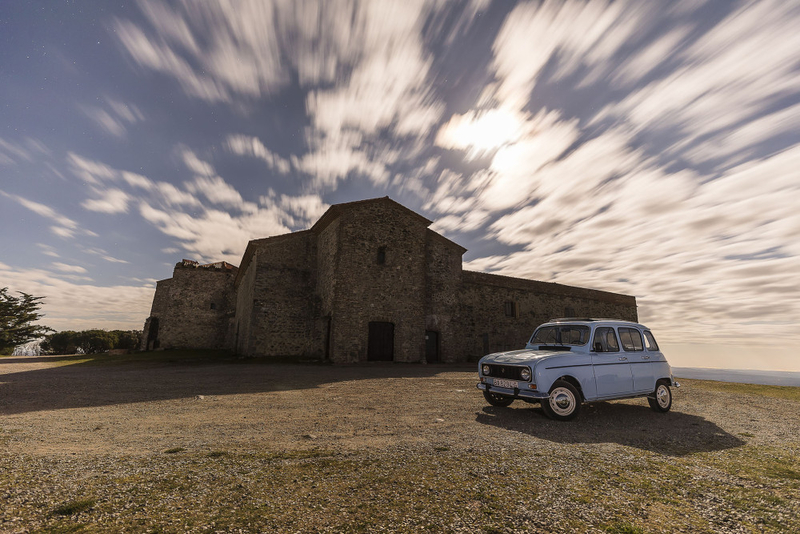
[(650, 149)]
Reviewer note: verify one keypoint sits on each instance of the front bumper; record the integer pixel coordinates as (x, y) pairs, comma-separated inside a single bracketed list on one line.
[(516, 393)]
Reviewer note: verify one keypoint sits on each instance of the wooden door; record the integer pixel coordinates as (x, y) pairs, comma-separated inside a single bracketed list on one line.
[(380, 345)]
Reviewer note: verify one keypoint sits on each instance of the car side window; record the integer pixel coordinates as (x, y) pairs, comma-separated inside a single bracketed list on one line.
[(605, 340), (650, 341), (631, 339)]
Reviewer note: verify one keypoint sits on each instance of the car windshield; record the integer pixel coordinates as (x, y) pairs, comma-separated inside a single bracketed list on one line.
[(568, 334)]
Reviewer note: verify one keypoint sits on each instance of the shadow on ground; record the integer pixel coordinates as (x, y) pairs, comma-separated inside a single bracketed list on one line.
[(672, 433), (84, 381)]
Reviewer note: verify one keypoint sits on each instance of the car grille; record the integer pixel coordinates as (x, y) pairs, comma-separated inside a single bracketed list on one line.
[(510, 372)]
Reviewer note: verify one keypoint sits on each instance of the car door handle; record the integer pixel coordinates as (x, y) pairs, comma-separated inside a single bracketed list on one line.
[(623, 359), (645, 357)]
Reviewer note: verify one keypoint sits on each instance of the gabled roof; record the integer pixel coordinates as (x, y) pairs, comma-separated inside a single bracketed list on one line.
[(337, 209), (330, 215)]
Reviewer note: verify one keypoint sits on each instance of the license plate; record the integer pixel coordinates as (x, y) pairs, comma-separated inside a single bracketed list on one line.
[(510, 384)]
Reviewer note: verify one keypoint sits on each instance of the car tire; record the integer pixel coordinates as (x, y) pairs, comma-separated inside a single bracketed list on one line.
[(496, 399), (661, 401), (564, 402)]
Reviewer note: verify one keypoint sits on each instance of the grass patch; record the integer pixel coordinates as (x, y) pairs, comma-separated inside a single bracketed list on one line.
[(407, 489), (74, 507), (775, 392), (624, 528), (174, 450)]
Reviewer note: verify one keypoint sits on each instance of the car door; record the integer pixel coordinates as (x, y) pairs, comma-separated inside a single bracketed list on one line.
[(641, 364), (612, 369)]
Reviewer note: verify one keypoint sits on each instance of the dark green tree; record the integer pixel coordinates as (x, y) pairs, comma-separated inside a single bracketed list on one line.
[(17, 317)]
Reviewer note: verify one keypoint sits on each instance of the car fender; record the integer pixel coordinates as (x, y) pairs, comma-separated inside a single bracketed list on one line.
[(574, 365)]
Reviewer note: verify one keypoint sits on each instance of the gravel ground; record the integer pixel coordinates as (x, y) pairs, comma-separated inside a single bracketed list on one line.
[(203, 446)]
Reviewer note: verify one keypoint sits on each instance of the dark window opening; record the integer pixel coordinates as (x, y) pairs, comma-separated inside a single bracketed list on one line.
[(381, 255), (512, 308), (213, 306), (569, 311)]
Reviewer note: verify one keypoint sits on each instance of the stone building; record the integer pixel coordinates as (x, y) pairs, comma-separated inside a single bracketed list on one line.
[(369, 281)]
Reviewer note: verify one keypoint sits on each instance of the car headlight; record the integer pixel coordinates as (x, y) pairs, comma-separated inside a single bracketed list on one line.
[(486, 370), (525, 374)]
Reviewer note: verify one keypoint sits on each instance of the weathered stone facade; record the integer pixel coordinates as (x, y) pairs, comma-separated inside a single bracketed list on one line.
[(369, 281)]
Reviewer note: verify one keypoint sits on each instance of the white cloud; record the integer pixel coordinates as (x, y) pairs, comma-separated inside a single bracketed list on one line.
[(244, 145), (64, 228), (66, 268), (110, 201), (137, 180), (308, 208), (365, 63), (218, 191), (43, 210), (113, 118), (92, 172), (216, 235), (335, 158), (195, 164)]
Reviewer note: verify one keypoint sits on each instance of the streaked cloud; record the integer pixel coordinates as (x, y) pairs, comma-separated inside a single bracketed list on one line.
[(244, 145), (66, 268)]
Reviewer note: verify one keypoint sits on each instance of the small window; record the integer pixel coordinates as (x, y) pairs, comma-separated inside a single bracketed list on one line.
[(213, 306), (605, 340), (631, 339), (650, 341), (381, 255), (511, 309), (569, 311)]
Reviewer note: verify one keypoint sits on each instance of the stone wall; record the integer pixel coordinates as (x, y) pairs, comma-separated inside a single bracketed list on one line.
[(392, 291), (284, 305), (245, 284), (498, 313), (443, 283), (193, 309)]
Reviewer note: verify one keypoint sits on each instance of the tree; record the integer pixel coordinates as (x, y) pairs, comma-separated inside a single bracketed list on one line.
[(17, 315), (91, 341)]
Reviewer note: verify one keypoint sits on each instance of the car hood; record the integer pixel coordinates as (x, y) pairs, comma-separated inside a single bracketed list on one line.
[(521, 356)]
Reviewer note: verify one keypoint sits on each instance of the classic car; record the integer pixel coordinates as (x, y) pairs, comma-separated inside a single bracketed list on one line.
[(571, 361)]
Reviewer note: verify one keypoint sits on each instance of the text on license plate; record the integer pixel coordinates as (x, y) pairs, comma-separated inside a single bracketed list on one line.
[(510, 384)]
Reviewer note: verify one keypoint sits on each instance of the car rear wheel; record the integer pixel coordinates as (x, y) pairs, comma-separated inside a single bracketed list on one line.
[(495, 399), (661, 401), (564, 402)]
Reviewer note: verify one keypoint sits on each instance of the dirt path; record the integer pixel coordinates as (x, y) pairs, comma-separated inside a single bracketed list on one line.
[(145, 407)]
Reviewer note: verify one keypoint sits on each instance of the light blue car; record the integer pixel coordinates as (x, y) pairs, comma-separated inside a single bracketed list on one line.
[(571, 361)]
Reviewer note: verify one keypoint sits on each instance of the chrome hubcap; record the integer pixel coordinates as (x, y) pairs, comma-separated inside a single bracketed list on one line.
[(562, 401), (662, 396)]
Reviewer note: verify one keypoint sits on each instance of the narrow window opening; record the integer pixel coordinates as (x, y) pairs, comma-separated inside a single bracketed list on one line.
[(569, 311), (512, 308), (213, 306), (381, 255)]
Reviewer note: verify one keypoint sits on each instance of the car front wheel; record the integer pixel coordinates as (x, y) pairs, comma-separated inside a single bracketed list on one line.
[(564, 402), (495, 399), (661, 401)]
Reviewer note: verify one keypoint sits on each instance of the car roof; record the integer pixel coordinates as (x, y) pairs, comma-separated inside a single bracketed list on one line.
[(596, 322)]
